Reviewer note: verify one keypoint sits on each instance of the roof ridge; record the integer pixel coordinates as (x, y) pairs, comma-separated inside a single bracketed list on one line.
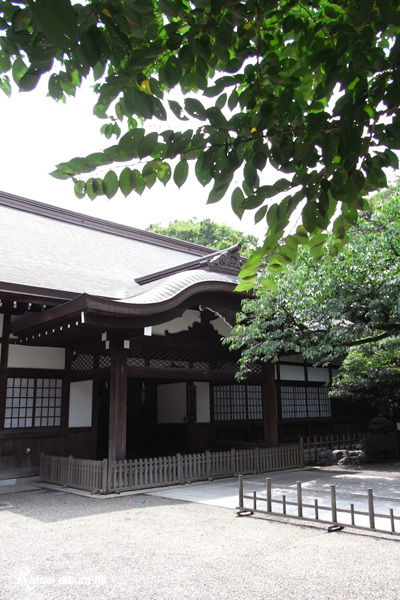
[(74, 218), (206, 262)]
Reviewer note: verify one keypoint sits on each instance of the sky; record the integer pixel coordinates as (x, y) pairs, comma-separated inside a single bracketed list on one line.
[(37, 133)]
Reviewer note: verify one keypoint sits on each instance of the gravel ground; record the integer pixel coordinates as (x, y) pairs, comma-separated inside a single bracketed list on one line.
[(61, 546)]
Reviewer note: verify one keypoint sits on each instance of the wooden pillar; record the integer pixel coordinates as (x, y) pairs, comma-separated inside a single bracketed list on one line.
[(270, 406), (118, 404)]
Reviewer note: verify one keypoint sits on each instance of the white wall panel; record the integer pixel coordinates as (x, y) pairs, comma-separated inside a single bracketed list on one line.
[(36, 357), (80, 404), (202, 401), (292, 372), (179, 324), (171, 403), (186, 320), (318, 374)]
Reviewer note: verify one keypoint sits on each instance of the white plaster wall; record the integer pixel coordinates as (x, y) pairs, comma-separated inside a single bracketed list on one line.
[(1, 324), (179, 324), (80, 404), (202, 401), (36, 357), (292, 372), (171, 403), (186, 320), (318, 374)]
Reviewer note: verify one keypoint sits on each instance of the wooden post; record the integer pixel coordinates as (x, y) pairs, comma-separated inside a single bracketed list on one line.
[(333, 504), (371, 509), (240, 479), (299, 500), (118, 404), (301, 451), (270, 406), (104, 476), (269, 495), (69, 470)]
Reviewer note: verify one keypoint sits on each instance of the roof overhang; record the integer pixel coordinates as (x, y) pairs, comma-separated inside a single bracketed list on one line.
[(89, 316)]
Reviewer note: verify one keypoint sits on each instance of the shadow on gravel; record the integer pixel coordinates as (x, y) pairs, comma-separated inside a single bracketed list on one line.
[(48, 506)]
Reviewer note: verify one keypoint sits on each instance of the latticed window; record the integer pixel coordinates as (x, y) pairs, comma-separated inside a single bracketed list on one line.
[(33, 402), (237, 402), (301, 402)]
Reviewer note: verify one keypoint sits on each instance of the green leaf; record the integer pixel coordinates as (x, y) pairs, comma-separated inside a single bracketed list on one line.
[(110, 184), (128, 145), (58, 20), (195, 109), (218, 191), (177, 110), (172, 72), (260, 214), (80, 189), (148, 144), (125, 183), (181, 172), (236, 202), (138, 185)]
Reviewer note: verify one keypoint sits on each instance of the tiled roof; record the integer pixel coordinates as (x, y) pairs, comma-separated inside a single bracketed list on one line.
[(174, 284), (50, 248)]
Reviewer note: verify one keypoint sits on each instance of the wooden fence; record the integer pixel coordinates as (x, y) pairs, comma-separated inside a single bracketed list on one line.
[(337, 517), (312, 445), (107, 477)]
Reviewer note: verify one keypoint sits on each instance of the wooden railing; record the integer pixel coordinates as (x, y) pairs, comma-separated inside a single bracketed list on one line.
[(330, 510), (107, 477)]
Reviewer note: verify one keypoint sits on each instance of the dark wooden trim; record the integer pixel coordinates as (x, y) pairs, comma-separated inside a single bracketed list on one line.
[(5, 340), (270, 406), (18, 473), (118, 404), (23, 372), (31, 432), (188, 375)]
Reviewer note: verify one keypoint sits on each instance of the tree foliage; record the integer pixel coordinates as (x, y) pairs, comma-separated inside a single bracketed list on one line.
[(323, 309), (369, 375), (310, 88), (208, 233)]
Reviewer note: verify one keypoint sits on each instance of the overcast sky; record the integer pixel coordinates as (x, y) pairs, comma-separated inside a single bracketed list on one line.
[(37, 133)]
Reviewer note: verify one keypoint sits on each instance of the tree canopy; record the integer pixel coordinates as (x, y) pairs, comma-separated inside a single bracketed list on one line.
[(309, 88), (323, 309), (208, 233), (369, 375)]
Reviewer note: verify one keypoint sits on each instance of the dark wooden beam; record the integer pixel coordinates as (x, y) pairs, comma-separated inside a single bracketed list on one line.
[(118, 404), (270, 406)]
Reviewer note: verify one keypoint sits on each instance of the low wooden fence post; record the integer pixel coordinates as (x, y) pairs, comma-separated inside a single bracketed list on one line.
[(104, 476), (179, 467), (371, 508), (333, 504), (299, 500), (269, 495), (69, 470), (241, 491)]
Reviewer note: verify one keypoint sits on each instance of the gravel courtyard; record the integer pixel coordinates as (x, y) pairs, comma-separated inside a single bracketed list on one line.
[(55, 545)]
